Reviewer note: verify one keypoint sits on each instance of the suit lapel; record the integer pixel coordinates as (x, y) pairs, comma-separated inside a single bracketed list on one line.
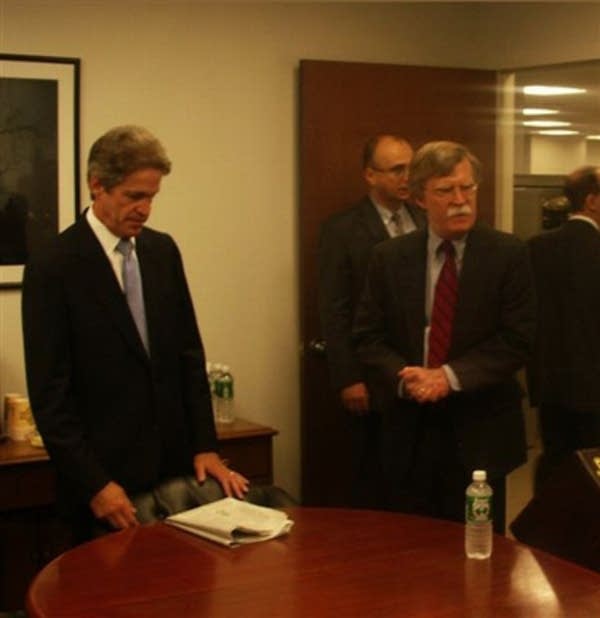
[(412, 268), (98, 278), (151, 283), (372, 222), (472, 280)]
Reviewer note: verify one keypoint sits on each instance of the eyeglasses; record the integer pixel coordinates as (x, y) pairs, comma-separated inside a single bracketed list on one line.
[(445, 192), (396, 170)]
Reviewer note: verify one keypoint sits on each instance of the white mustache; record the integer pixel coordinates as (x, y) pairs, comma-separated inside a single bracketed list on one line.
[(456, 211)]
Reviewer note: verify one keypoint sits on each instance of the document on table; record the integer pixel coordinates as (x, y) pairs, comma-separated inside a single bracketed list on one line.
[(232, 522)]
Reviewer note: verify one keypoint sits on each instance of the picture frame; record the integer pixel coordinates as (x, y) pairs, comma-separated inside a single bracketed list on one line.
[(39, 155)]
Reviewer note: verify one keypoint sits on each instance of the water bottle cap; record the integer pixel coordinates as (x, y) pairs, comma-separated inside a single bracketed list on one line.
[(479, 475)]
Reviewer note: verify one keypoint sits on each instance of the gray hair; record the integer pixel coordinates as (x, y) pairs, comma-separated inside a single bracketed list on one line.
[(436, 159), (122, 151)]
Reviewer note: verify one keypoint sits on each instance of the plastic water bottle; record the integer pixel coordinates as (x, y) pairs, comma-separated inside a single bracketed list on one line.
[(478, 517), (209, 375), (213, 372), (225, 409)]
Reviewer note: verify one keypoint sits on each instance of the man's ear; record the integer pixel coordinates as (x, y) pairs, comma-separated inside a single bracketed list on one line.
[(591, 203), (369, 176), (95, 187)]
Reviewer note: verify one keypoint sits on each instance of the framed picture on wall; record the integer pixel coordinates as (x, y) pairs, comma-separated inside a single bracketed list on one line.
[(39, 155)]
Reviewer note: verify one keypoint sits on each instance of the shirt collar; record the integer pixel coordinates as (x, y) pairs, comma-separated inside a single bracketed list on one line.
[(384, 213), (434, 241), (105, 237), (584, 218)]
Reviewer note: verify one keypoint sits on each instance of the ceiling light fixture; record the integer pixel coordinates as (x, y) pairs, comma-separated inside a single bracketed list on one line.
[(538, 111), (546, 123), (546, 91), (558, 132), (594, 137)]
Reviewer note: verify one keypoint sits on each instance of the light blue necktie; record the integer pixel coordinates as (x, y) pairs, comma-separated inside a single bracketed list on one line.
[(132, 284)]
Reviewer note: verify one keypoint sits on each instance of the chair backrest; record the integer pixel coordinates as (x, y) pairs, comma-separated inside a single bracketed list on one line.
[(563, 517), (183, 493)]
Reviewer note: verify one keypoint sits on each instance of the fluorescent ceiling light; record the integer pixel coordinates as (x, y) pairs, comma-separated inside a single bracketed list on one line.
[(546, 91), (546, 123), (558, 132), (538, 111), (595, 137)]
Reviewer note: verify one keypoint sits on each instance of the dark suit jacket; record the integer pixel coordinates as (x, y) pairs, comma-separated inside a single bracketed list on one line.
[(492, 336), (105, 409), (565, 368), (346, 242)]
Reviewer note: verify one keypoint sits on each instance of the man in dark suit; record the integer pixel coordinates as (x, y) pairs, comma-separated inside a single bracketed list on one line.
[(121, 399), (446, 387), (347, 239), (564, 375)]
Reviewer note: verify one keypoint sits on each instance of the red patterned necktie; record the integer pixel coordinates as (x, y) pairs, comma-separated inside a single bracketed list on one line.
[(444, 304)]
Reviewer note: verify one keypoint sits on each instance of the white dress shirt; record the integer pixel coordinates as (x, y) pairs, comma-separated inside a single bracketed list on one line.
[(109, 242), (405, 221)]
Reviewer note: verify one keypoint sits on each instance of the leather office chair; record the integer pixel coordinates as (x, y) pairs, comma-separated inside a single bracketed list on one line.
[(182, 493)]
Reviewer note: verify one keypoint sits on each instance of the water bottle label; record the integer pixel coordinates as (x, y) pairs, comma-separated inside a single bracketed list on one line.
[(479, 509), (227, 390)]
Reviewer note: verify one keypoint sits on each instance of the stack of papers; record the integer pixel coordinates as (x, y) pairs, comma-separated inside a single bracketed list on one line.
[(232, 522)]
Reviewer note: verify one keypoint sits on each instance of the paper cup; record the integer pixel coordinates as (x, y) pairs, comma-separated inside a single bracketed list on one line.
[(20, 419), (4, 420)]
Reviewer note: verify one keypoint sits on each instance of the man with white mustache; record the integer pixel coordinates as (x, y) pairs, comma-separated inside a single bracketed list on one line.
[(447, 410)]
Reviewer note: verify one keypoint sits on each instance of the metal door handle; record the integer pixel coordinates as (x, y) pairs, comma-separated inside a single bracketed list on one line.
[(318, 347)]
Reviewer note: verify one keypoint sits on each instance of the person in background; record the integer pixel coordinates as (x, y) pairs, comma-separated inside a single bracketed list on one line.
[(346, 241), (115, 363), (446, 319), (564, 375)]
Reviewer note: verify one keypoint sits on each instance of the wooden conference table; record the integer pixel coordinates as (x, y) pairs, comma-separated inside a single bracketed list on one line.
[(30, 533), (334, 563)]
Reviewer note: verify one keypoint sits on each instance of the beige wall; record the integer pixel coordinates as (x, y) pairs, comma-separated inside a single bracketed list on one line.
[(218, 84), (557, 156)]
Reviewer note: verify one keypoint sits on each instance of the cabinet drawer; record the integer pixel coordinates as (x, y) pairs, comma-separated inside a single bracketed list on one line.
[(27, 485), (251, 457)]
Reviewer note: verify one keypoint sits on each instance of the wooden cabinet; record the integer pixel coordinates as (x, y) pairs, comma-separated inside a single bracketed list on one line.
[(31, 534), (248, 448), (27, 496)]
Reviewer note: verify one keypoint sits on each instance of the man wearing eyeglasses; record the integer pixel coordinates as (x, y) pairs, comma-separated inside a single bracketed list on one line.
[(346, 242), (445, 321)]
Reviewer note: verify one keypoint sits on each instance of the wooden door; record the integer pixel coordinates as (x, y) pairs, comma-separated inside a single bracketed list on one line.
[(341, 106)]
